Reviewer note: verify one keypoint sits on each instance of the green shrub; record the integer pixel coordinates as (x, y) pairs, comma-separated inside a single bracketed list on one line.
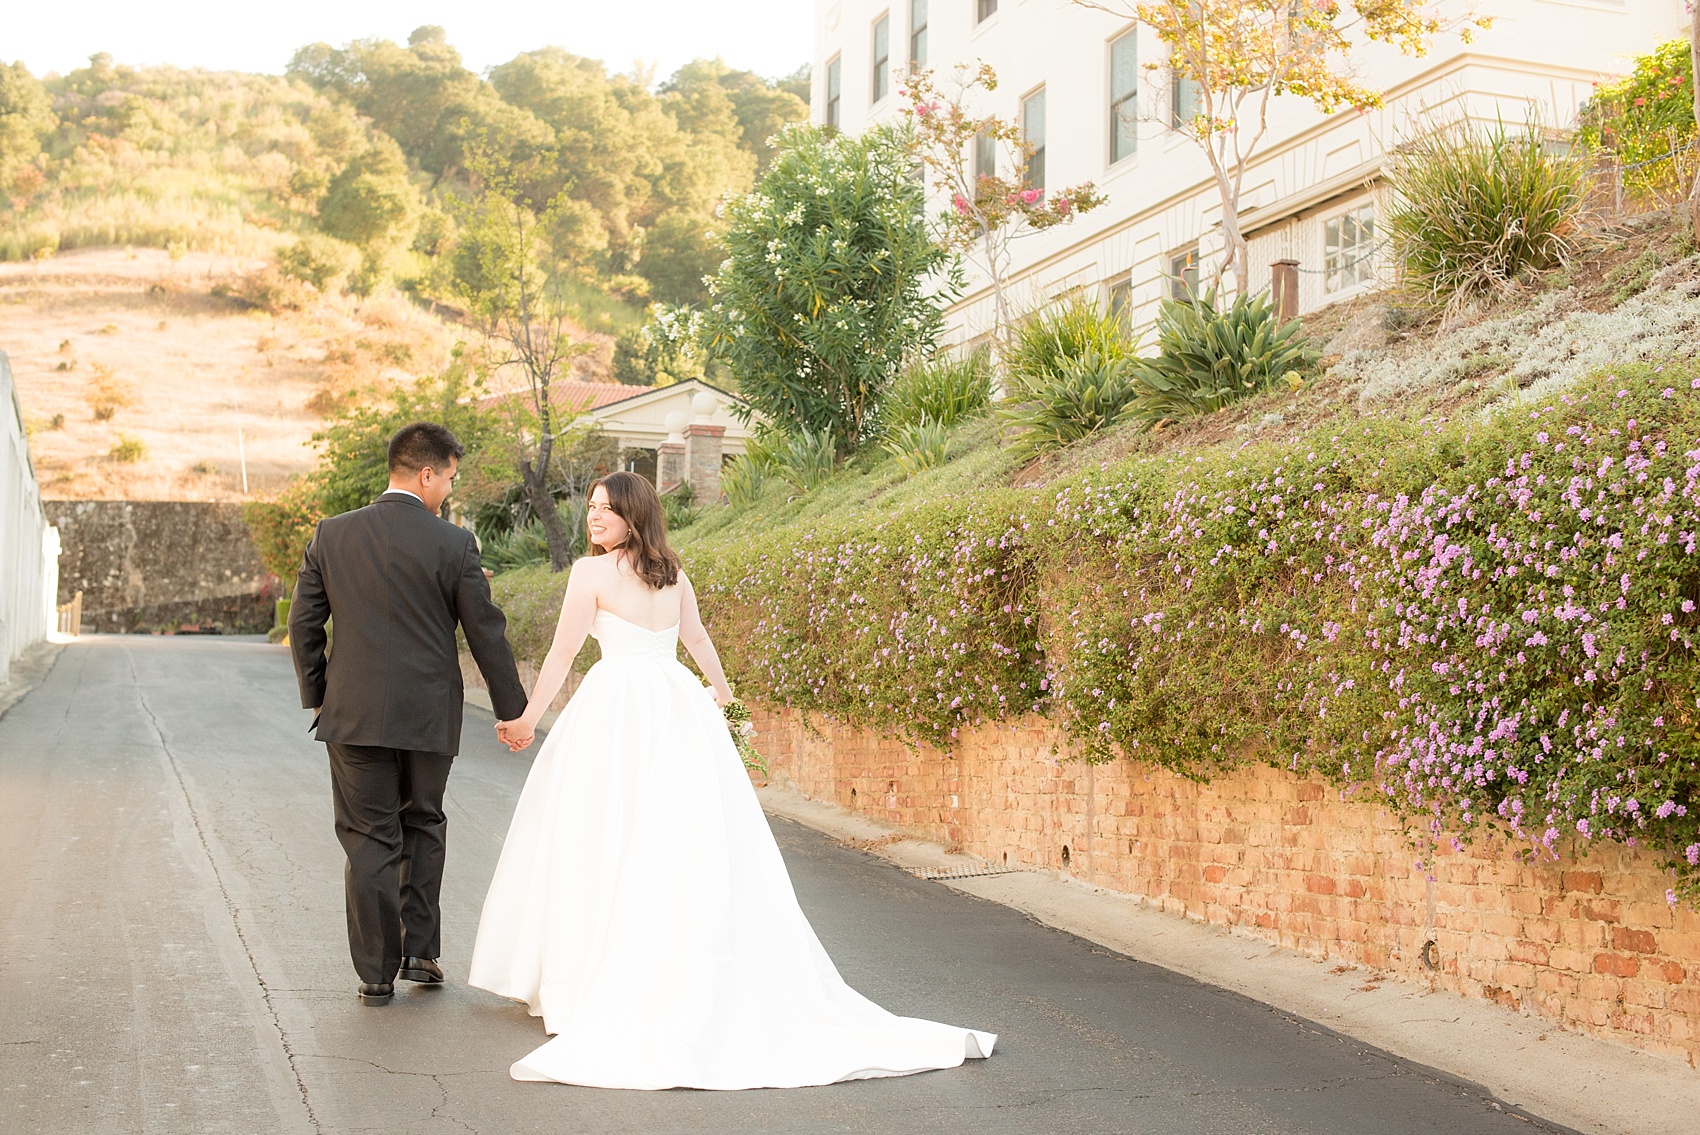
[(1209, 358), (1645, 119), (319, 260), (1397, 605), (127, 449), (282, 527), (831, 280), (521, 547), (678, 506), (742, 480), (919, 445), (1474, 212), (1077, 399), (1047, 340), (942, 391), (807, 459)]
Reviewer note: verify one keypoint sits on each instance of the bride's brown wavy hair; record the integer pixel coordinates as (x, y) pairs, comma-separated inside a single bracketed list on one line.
[(634, 500)]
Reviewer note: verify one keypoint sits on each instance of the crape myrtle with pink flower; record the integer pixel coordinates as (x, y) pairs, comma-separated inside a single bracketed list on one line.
[(1487, 622)]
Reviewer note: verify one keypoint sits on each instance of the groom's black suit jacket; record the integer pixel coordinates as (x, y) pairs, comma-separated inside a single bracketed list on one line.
[(397, 580)]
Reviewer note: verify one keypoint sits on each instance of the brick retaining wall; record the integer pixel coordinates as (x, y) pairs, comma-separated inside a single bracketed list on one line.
[(1588, 941)]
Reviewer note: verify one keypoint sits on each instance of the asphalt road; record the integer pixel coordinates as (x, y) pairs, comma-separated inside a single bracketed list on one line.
[(174, 961)]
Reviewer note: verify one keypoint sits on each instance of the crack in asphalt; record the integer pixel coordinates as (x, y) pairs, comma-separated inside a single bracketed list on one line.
[(224, 893)]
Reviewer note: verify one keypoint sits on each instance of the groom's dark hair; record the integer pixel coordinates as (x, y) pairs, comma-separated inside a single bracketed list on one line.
[(423, 445)]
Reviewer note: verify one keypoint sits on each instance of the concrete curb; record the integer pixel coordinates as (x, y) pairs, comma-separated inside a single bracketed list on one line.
[(27, 672), (1578, 1081)]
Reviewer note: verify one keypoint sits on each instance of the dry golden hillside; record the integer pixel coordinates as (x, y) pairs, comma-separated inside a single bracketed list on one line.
[(138, 382)]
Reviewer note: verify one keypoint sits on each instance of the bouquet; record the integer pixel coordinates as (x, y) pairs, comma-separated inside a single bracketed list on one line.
[(743, 734)]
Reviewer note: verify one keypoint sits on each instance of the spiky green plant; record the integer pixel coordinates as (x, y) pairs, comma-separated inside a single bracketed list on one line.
[(742, 480), (942, 391), (1051, 338), (524, 546), (1080, 397), (1477, 210), (1210, 358), (808, 458), (920, 445)]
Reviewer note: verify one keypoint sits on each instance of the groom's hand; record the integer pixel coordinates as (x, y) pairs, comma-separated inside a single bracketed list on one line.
[(508, 733)]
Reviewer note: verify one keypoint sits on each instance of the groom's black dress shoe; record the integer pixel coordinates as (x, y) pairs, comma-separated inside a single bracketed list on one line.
[(371, 994), (422, 970)]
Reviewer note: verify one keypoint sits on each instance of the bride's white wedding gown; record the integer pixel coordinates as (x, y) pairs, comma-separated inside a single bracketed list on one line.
[(641, 907)]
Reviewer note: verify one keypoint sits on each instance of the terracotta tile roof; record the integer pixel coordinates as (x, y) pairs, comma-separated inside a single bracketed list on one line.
[(582, 396)]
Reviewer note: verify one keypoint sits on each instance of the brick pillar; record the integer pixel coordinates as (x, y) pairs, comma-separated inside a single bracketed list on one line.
[(1284, 288), (669, 465), (703, 446)]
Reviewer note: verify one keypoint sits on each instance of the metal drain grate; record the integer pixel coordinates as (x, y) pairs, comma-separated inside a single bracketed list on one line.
[(972, 872)]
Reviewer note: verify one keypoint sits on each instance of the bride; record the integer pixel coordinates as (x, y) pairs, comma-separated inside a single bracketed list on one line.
[(640, 906)]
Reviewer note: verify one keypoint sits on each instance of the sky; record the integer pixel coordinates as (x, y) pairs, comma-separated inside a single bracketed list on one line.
[(770, 37)]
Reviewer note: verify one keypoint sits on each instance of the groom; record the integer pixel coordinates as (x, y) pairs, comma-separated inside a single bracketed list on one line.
[(395, 580)]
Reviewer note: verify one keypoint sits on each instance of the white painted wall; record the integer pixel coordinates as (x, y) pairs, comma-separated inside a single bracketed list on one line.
[(29, 546), (1540, 55)]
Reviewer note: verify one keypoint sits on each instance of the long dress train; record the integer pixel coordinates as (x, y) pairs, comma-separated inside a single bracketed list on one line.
[(642, 909)]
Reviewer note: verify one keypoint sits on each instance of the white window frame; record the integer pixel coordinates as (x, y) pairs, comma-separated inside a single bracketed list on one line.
[(879, 71), (1180, 274), (1037, 157), (918, 33), (1126, 102), (1348, 249), (832, 88)]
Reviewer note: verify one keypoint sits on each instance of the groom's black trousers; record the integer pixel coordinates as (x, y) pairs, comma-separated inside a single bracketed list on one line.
[(390, 822)]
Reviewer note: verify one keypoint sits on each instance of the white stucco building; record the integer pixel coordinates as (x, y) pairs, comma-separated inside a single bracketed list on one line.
[(1312, 193)]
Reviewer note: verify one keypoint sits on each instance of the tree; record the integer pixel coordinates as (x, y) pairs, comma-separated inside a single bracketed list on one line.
[(831, 281), (1241, 55), (26, 117), (353, 465), (510, 276), (987, 210), (371, 204)]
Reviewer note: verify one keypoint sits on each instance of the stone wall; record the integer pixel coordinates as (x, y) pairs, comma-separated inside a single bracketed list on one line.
[(161, 565), (1588, 941)]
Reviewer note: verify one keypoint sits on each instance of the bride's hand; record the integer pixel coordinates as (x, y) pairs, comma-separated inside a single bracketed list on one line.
[(514, 734)]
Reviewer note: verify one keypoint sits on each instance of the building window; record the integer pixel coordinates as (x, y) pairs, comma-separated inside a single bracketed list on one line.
[(985, 156), (1348, 248), (1124, 89), (1183, 276), (984, 10), (834, 89), (880, 82), (1121, 302), (1033, 133), (1183, 100), (917, 34)]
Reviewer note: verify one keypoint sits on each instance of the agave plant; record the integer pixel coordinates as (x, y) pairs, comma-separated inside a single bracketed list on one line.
[(1210, 358), (920, 445), (520, 547), (1081, 396)]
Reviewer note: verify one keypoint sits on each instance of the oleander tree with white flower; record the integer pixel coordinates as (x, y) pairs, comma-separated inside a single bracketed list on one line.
[(831, 281)]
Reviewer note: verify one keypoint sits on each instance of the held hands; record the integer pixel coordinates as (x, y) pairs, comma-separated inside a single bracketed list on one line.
[(516, 734)]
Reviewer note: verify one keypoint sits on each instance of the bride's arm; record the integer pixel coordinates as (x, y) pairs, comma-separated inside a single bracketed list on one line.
[(695, 637), (578, 610)]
